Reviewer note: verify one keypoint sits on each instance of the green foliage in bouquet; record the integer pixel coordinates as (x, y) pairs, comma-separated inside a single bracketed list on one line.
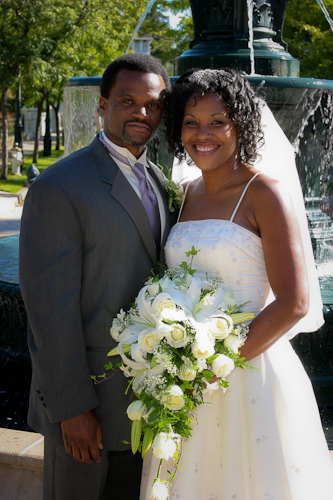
[(179, 341)]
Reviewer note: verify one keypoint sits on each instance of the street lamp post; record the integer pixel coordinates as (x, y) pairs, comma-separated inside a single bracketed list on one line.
[(47, 136)]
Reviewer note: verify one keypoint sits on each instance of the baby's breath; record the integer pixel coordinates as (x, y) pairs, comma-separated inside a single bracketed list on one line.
[(170, 349), (154, 384)]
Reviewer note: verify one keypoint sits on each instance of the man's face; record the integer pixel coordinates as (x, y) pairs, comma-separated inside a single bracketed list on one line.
[(133, 110)]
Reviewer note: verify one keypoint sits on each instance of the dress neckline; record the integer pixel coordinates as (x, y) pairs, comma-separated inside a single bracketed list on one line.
[(237, 205), (225, 221), (222, 220)]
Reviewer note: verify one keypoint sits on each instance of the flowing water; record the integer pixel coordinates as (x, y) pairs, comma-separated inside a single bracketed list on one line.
[(82, 119), (250, 43), (326, 14), (9, 248), (143, 17)]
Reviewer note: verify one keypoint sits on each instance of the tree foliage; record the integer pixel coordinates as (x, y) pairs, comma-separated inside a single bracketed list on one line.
[(309, 37), (168, 42), (53, 40)]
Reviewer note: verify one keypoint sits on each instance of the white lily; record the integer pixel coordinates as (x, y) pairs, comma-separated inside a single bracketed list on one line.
[(146, 312), (209, 306), (140, 366)]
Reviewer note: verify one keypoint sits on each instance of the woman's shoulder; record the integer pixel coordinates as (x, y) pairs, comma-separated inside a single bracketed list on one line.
[(271, 200), (191, 185), (265, 186)]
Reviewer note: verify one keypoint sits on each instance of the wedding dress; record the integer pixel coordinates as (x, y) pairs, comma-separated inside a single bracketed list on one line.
[(263, 438)]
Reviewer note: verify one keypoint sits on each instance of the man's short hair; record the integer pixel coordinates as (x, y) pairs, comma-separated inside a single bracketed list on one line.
[(133, 62)]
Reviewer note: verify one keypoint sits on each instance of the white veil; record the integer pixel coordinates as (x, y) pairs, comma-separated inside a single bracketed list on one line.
[(277, 160)]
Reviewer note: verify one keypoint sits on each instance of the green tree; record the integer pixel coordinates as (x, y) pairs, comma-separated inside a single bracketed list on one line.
[(15, 48), (78, 45), (309, 37), (168, 42), (54, 40)]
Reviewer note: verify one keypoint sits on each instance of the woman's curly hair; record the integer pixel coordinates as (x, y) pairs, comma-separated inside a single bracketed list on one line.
[(233, 89)]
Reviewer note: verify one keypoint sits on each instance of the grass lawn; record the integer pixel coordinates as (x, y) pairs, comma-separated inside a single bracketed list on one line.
[(14, 183)]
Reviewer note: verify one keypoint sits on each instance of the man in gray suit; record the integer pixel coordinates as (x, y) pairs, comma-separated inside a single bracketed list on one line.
[(93, 227)]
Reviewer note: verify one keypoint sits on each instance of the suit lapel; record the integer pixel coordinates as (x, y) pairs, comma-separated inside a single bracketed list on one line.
[(124, 194)]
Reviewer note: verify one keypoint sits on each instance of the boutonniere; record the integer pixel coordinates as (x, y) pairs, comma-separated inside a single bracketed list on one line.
[(174, 190)]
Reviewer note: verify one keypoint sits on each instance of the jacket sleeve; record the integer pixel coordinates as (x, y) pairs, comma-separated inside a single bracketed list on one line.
[(51, 255)]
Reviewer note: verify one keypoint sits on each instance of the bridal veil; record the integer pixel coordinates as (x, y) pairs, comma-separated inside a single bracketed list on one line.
[(277, 160)]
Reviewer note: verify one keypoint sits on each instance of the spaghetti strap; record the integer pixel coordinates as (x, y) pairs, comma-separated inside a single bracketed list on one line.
[(242, 196), (183, 201)]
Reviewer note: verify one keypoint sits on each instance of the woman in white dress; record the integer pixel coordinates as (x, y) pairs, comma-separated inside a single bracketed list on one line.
[(262, 439)]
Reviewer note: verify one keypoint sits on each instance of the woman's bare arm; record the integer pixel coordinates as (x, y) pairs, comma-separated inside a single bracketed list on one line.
[(285, 266)]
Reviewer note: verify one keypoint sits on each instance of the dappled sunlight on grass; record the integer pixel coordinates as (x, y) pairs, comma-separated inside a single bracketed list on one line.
[(14, 183)]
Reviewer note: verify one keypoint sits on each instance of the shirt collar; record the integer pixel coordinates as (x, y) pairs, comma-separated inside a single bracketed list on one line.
[(125, 152)]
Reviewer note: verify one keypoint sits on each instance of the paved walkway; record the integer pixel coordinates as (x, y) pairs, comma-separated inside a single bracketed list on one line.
[(28, 147), (11, 205), (10, 213)]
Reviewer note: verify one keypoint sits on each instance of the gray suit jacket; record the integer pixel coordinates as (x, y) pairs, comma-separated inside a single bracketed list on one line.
[(86, 248)]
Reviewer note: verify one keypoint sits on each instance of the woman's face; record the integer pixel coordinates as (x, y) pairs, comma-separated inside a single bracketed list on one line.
[(209, 136)]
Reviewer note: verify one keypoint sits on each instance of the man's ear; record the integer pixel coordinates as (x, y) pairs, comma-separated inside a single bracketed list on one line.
[(102, 105)]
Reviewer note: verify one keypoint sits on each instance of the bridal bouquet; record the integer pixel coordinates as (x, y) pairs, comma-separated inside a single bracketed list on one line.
[(179, 341)]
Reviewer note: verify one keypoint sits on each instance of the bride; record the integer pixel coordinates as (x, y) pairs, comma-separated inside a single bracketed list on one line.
[(262, 439)]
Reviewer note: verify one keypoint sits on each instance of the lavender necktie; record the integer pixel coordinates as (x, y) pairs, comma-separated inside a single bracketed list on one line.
[(148, 196)]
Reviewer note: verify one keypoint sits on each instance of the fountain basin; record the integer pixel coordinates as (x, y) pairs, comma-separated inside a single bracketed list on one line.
[(301, 106), (9, 249)]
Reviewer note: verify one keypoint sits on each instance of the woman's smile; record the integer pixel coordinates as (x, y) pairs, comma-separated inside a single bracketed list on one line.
[(209, 136), (205, 148)]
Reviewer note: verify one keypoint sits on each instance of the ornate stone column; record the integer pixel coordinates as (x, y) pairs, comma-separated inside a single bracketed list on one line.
[(221, 37)]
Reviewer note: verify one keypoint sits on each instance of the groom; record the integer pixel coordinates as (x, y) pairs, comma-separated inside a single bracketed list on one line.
[(93, 227)]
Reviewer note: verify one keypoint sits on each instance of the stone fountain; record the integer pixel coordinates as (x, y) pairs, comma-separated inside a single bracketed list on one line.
[(223, 29), (223, 36)]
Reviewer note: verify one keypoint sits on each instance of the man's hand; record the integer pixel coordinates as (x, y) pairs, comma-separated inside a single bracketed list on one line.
[(83, 437)]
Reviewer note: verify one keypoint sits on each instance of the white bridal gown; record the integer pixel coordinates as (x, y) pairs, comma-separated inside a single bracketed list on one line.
[(263, 438)]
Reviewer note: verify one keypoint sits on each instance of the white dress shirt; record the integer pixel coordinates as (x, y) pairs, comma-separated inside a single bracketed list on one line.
[(132, 178)]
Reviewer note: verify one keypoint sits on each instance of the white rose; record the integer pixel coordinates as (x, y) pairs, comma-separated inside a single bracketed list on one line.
[(164, 447), (116, 328), (147, 340), (136, 410), (220, 327), (187, 372), (222, 366), (177, 337), (158, 490), (233, 342), (202, 347), (173, 398), (163, 302)]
